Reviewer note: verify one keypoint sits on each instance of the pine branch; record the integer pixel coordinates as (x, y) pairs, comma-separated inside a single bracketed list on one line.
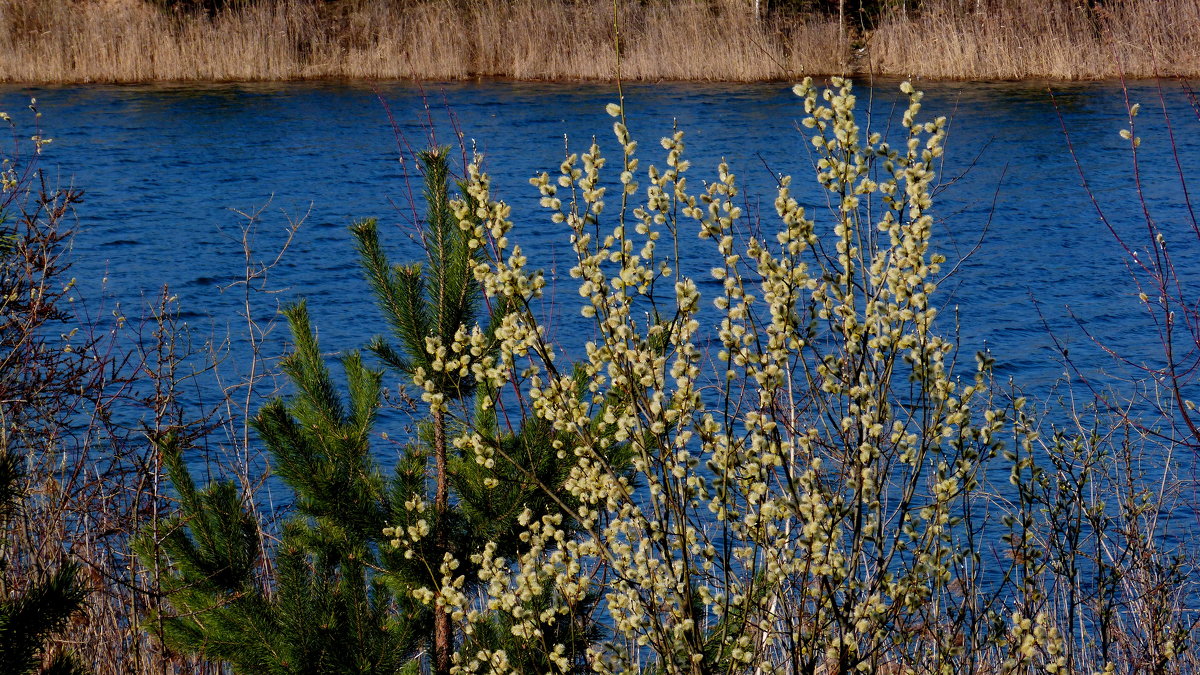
[(27, 621), (318, 403), (400, 294), (326, 613)]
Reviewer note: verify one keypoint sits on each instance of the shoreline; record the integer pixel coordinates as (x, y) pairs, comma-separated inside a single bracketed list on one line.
[(860, 79), (133, 42)]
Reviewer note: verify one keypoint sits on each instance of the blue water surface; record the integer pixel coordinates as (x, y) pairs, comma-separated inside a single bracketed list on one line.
[(170, 172)]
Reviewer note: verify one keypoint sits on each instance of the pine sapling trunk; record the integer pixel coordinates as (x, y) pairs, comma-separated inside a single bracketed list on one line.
[(434, 300), (443, 638)]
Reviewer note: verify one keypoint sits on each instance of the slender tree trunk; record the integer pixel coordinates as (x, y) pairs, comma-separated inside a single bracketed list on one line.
[(443, 636)]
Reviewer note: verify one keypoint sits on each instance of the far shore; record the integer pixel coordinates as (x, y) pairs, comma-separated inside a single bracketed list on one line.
[(135, 41)]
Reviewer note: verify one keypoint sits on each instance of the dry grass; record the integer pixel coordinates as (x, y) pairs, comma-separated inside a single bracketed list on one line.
[(1062, 39), (132, 41), (66, 41)]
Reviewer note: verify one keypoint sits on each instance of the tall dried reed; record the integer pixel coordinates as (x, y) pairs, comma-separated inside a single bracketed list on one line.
[(1008, 39), (63, 41)]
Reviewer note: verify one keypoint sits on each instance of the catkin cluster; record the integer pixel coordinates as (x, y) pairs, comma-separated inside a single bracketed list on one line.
[(805, 460)]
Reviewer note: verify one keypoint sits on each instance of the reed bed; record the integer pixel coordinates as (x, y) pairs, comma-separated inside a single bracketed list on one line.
[(64, 41), (134, 41), (1012, 39)]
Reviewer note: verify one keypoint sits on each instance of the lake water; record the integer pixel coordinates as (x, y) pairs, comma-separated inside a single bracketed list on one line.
[(167, 168)]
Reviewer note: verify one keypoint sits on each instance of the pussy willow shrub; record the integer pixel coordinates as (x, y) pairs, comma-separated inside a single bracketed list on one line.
[(810, 470)]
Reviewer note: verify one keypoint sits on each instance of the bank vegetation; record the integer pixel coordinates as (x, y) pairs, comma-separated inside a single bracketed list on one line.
[(56, 41)]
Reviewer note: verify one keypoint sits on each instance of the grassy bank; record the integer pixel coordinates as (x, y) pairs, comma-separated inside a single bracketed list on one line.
[(1012, 39), (63, 41), (134, 41)]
